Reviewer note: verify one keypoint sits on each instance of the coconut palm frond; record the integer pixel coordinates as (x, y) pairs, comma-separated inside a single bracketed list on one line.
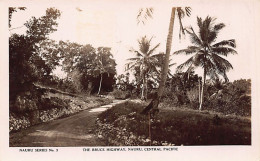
[(193, 37), (223, 51), (188, 11), (221, 63), (199, 22), (184, 51), (199, 59), (214, 32), (180, 13), (160, 55), (138, 54), (189, 50), (231, 43), (132, 59), (212, 35), (172, 64), (219, 26), (207, 65), (215, 74), (144, 45), (205, 29), (185, 64), (153, 49), (219, 67), (144, 14), (132, 65)]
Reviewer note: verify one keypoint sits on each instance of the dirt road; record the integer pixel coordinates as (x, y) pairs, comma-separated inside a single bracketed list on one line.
[(76, 130)]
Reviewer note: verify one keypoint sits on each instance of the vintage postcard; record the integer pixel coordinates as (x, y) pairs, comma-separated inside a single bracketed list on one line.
[(130, 80)]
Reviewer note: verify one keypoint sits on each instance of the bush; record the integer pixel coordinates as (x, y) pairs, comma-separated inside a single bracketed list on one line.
[(229, 98), (232, 98), (193, 96), (119, 94)]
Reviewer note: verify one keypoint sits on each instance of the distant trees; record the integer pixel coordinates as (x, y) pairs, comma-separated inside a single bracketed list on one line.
[(206, 54), (178, 87), (88, 67), (105, 64)]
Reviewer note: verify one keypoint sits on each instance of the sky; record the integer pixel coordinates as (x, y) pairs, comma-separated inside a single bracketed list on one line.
[(115, 26)]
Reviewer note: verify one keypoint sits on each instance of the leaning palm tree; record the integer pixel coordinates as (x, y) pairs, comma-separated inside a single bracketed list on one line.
[(180, 12), (146, 61), (206, 53), (165, 68)]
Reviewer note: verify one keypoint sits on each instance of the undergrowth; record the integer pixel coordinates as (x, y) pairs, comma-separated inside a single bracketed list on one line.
[(124, 125)]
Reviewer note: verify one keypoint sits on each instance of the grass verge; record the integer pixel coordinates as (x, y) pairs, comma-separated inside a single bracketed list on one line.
[(123, 125)]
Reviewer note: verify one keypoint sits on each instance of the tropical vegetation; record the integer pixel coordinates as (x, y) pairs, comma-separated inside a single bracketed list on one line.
[(195, 109), (146, 62), (207, 53)]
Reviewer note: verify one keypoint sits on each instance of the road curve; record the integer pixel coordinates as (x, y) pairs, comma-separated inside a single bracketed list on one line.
[(76, 130)]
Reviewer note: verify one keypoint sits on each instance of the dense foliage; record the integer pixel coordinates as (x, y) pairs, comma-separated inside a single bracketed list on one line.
[(228, 98), (33, 58), (146, 64), (206, 53), (27, 65), (87, 66)]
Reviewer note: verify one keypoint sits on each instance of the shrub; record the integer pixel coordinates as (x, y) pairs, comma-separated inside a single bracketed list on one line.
[(232, 98), (119, 94), (193, 96)]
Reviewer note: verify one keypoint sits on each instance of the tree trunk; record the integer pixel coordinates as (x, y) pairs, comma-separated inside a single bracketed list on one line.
[(99, 89), (145, 88), (142, 96), (202, 89), (90, 88), (199, 91), (167, 55), (150, 134)]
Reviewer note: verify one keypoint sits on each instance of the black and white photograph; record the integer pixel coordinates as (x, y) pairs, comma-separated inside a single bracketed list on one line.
[(128, 76)]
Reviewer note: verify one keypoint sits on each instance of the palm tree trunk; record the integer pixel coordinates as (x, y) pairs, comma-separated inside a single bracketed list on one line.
[(150, 134), (199, 91), (167, 55), (100, 84), (202, 89), (146, 89), (142, 96)]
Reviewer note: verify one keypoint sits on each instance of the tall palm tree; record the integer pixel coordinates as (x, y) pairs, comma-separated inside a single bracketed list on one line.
[(180, 12), (206, 53), (145, 60)]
